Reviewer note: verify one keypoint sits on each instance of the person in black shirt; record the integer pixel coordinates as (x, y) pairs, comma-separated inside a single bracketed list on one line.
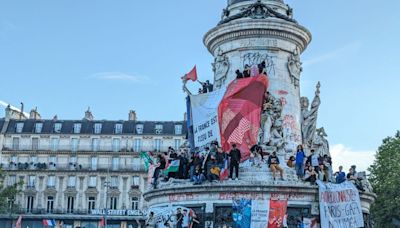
[(239, 74), (235, 156), (261, 68), (247, 71), (179, 218), (162, 165), (273, 162), (210, 87)]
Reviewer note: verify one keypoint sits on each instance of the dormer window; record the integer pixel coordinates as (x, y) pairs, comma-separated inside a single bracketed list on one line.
[(118, 128), (57, 127), (139, 129), (38, 127), (97, 128), (159, 129), (178, 129), (19, 127), (77, 128)]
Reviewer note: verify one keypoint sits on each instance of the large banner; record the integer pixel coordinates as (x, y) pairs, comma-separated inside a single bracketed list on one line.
[(277, 213), (340, 205), (204, 109), (239, 113), (250, 213)]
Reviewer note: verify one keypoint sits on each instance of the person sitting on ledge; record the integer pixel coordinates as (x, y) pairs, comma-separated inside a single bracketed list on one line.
[(213, 170), (273, 163), (246, 71), (310, 175), (291, 162), (239, 74), (340, 175), (198, 176)]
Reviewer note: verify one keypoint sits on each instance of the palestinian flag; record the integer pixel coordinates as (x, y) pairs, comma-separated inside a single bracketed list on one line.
[(145, 156), (172, 167)]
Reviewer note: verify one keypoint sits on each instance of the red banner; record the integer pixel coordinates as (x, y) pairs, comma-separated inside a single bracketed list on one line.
[(277, 211), (239, 113)]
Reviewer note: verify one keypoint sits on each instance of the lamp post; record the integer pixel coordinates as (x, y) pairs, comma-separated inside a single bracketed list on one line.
[(107, 185)]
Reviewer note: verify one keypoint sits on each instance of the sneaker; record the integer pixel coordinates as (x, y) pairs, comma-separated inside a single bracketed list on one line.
[(282, 179), (230, 179), (237, 178)]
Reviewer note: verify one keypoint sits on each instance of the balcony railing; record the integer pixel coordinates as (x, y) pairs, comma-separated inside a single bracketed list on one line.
[(68, 148), (72, 167)]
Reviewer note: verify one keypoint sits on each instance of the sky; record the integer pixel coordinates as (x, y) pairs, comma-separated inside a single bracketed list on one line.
[(112, 56)]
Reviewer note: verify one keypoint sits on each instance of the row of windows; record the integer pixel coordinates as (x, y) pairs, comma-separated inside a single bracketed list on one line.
[(97, 128), (95, 144), (112, 203), (71, 182)]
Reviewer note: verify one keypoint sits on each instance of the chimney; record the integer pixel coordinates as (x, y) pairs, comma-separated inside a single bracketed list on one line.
[(34, 114), (132, 115), (88, 115), (8, 112)]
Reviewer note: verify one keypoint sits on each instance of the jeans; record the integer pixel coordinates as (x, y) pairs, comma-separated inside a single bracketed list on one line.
[(300, 170), (191, 172), (156, 174), (198, 179)]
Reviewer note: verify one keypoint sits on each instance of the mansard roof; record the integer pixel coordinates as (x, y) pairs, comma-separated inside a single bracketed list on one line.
[(87, 127)]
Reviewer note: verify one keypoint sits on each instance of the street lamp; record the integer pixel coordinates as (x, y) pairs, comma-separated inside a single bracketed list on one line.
[(107, 185)]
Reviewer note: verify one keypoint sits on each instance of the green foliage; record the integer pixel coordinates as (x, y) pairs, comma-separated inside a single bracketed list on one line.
[(6, 193), (385, 179)]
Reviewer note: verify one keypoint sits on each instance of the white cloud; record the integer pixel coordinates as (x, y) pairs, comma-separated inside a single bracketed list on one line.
[(342, 51), (345, 156), (120, 76)]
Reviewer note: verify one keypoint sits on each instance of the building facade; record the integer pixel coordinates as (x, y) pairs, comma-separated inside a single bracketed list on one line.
[(72, 171)]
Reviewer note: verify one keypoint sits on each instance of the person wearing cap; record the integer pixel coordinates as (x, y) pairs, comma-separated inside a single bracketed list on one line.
[(235, 156), (273, 163)]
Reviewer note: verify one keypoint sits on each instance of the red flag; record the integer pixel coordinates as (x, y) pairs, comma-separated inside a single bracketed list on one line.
[(277, 211), (192, 75), (239, 113), (102, 222)]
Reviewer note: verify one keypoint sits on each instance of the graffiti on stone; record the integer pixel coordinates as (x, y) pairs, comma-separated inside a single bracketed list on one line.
[(255, 58)]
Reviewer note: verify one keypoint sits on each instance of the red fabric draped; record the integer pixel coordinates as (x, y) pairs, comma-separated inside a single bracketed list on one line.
[(239, 113)]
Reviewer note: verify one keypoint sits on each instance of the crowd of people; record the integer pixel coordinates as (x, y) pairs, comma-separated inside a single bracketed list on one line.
[(214, 165), (250, 71), (206, 87)]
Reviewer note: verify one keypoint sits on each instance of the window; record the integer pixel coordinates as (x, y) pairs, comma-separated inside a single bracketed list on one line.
[(93, 163), (115, 163), (19, 127), (35, 143), (135, 181), (14, 159), (136, 162), (159, 129), (118, 128), (71, 181), (31, 181), (95, 144), (114, 182), (12, 180), (74, 144), (91, 204), (113, 203), (92, 181), (15, 143), (97, 128), (137, 145), (11, 202), (178, 129), (52, 162), (38, 127), (50, 204), (116, 144), (70, 204), (29, 204), (177, 144), (157, 144), (33, 159), (135, 203), (139, 129), (51, 181), (57, 127), (77, 128), (54, 144)]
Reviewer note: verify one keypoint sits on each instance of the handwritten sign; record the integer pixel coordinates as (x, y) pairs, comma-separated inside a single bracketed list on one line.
[(340, 205)]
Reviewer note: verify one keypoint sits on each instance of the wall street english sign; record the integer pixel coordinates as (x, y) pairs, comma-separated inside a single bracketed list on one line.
[(118, 212)]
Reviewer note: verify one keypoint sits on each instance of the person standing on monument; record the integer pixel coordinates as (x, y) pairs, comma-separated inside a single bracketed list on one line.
[(246, 71), (314, 160), (300, 155), (161, 166), (235, 156)]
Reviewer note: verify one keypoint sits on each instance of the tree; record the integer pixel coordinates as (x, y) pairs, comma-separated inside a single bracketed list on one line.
[(385, 179), (7, 193)]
